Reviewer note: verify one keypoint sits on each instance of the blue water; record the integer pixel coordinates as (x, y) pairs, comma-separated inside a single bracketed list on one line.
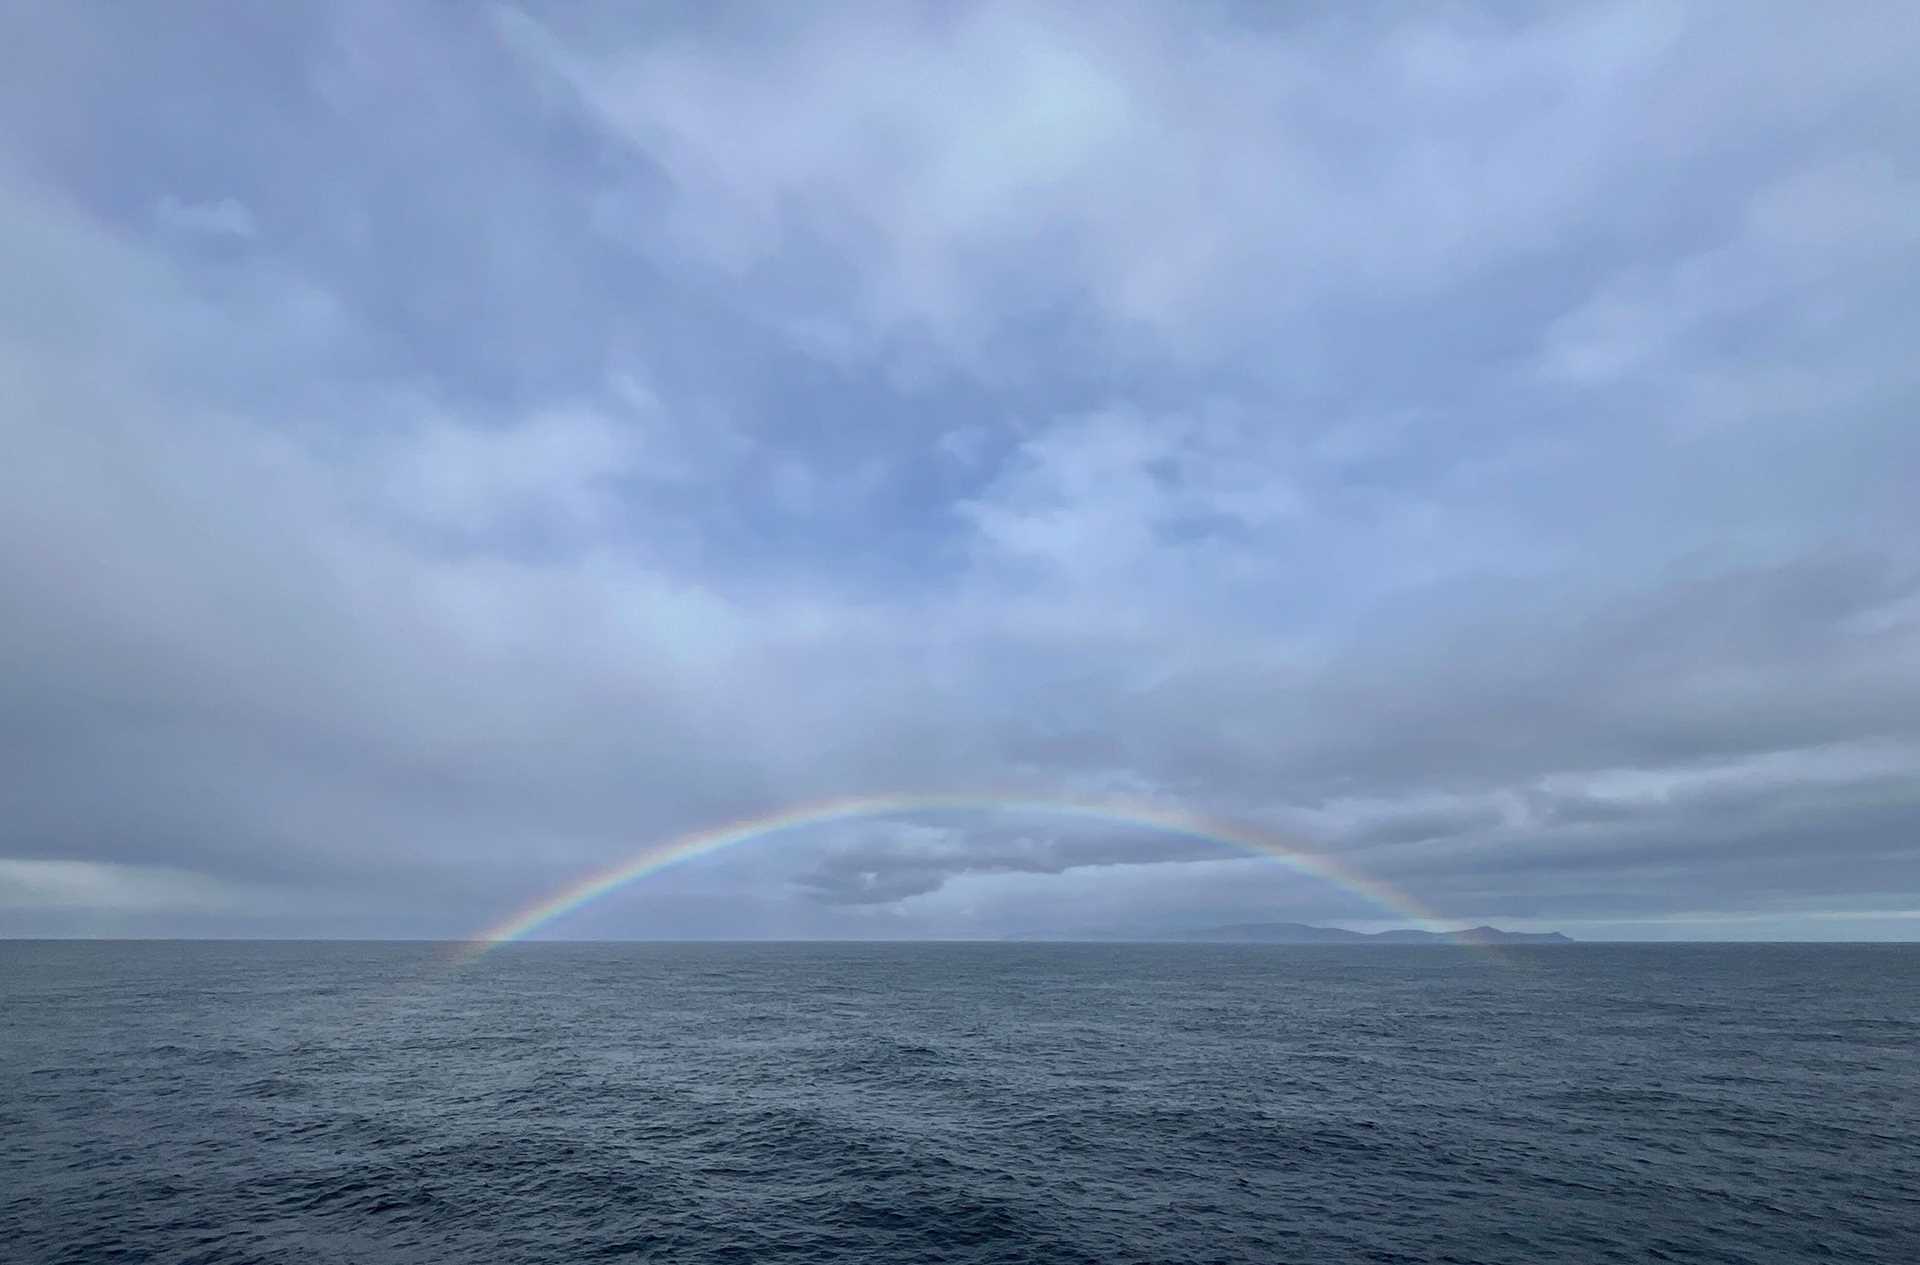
[(890, 1103)]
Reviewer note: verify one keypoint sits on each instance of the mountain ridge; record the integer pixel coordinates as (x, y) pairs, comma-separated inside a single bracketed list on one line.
[(1306, 933)]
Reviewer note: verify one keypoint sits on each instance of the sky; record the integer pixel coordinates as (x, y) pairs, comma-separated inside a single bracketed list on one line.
[(449, 450)]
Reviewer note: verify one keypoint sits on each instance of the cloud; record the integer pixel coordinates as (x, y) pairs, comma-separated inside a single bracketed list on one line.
[(222, 218), (451, 452), (887, 863), (1199, 181), (552, 473), (85, 886)]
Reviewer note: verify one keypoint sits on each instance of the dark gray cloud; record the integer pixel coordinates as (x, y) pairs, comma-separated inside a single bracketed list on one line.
[(890, 864), (448, 451)]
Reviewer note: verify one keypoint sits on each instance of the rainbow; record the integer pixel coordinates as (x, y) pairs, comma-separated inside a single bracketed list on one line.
[(1139, 815)]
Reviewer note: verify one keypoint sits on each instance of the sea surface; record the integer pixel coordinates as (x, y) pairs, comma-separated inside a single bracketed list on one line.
[(367, 1103)]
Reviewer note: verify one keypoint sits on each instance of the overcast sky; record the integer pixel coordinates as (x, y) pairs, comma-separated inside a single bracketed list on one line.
[(451, 448)]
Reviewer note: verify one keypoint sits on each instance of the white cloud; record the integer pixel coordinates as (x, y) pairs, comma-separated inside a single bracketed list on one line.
[(87, 886), (965, 171), (1813, 248), (1118, 496), (223, 217), (559, 471)]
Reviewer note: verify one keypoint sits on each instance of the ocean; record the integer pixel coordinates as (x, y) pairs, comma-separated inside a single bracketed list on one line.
[(370, 1103)]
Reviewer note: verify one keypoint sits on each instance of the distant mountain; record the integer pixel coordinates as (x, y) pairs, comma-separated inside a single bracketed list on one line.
[(1302, 933)]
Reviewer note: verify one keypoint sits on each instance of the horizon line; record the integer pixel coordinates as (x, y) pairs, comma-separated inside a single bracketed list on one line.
[(1022, 939)]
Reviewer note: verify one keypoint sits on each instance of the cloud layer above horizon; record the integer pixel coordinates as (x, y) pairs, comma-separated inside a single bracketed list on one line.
[(451, 448)]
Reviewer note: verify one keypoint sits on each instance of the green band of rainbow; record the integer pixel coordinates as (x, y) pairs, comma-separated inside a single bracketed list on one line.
[(1119, 812)]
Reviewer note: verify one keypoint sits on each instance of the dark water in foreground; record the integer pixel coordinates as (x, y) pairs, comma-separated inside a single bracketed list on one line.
[(894, 1103)]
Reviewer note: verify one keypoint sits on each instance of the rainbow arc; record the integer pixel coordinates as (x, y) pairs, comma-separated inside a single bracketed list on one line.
[(1133, 814)]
